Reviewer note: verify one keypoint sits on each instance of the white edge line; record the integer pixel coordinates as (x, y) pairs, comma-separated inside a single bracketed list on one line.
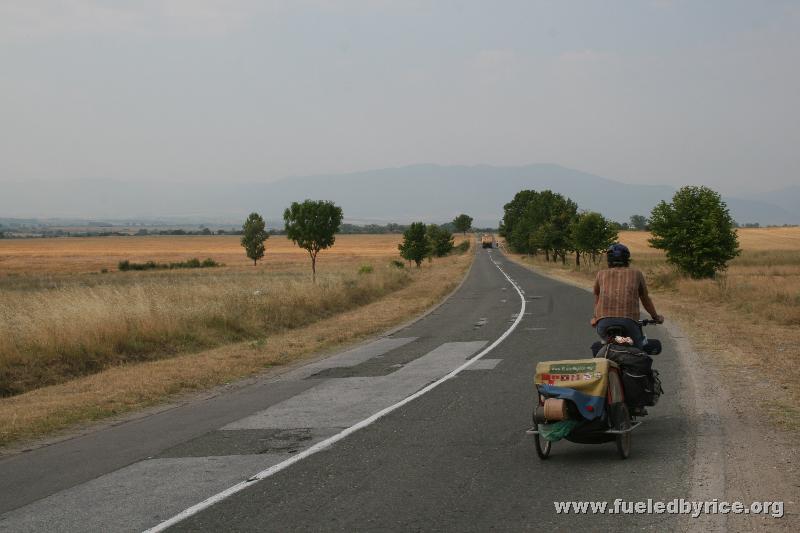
[(327, 443)]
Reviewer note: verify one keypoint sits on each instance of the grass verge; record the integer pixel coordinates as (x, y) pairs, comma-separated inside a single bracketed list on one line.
[(746, 321), (134, 386), (51, 336)]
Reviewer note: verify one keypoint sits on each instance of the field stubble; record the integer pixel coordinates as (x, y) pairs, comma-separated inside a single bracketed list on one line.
[(78, 346), (748, 319)]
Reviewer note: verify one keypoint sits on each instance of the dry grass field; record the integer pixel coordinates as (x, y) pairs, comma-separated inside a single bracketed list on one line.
[(70, 255), (138, 336), (748, 319)]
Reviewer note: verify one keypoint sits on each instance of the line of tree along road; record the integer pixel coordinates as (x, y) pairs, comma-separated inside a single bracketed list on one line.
[(545, 222), (313, 225), (422, 241), (695, 229)]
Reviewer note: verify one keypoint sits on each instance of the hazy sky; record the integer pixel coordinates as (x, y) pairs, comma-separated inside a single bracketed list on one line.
[(668, 92)]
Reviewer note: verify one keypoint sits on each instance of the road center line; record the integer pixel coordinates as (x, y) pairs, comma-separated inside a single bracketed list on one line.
[(327, 443)]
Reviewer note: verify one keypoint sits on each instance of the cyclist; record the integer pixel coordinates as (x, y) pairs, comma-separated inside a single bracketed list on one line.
[(617, 292)]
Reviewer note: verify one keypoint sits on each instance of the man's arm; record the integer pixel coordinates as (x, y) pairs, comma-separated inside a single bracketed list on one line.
[(647, 302), (593, 321)]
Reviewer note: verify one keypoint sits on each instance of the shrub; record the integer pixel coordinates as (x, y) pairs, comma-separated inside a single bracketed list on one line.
[(397, 264), (365, 269), (441, 240), (152, 265), (663, 278), (191, 263), (462, 247)]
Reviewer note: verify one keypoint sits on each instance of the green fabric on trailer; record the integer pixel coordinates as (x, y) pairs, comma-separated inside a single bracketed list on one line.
[(557, 430)]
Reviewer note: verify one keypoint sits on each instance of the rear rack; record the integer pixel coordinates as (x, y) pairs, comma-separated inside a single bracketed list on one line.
[(634, 425)]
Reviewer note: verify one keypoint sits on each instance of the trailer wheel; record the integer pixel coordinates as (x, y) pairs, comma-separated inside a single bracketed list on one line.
[(543, 446)]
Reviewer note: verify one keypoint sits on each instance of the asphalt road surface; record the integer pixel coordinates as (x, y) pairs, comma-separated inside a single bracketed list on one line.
[(455, 458)]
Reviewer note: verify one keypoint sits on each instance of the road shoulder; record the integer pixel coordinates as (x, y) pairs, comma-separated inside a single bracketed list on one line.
[(738, 455)]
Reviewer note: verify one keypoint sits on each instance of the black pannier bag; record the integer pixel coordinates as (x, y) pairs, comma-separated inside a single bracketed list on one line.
[(639, 380)]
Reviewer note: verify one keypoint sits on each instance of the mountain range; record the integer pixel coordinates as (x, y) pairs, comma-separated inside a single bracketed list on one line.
[(431, 193)]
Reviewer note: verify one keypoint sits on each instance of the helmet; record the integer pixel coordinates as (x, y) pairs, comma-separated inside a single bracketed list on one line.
[(618, 255)]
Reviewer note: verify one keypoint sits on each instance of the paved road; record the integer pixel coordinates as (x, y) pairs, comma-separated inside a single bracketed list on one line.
[(456, 458)]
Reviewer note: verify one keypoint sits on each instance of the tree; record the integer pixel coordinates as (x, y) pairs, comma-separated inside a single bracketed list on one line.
[(639, 223), (538, 221), (591, 233), (513, 211), (440, 240), (617, 226), (462, 223), (312, 225), (696, 231), (415, 246), (253, 237), (542, 223)]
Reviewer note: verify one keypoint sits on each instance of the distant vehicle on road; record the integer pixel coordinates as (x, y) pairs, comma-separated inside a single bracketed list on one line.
[(487, 241)]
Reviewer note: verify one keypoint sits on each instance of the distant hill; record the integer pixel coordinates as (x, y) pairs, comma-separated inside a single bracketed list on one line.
[(431, 193), (787, 198)]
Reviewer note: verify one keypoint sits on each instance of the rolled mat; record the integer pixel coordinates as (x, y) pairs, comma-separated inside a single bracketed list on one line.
[(555, 409)]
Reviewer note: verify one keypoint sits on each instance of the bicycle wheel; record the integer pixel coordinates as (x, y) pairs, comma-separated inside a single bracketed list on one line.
[(624, 439)]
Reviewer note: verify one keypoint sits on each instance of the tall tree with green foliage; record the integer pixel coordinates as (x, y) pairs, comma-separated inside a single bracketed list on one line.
[(591, 233), (415, 246), (253, 237), (539, 222), (696, 231), (515, 235), (441, 240), (561, 213), (462, 223), (313, 225)]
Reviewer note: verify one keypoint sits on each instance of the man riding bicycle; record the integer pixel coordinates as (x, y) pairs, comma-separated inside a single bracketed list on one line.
[(617, 291)]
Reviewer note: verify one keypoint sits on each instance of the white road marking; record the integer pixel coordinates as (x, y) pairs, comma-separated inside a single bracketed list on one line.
[(352, 357), (342, 402), (485, 364), (327, 443)]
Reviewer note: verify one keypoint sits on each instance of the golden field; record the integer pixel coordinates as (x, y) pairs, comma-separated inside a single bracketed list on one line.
[(748, 319), (77, 345), (91, 254)]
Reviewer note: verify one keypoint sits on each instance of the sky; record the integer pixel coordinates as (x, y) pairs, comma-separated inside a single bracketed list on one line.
[(190, 91)]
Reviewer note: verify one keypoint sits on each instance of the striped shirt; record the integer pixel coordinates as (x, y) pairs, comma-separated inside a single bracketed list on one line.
[(619, 290)]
